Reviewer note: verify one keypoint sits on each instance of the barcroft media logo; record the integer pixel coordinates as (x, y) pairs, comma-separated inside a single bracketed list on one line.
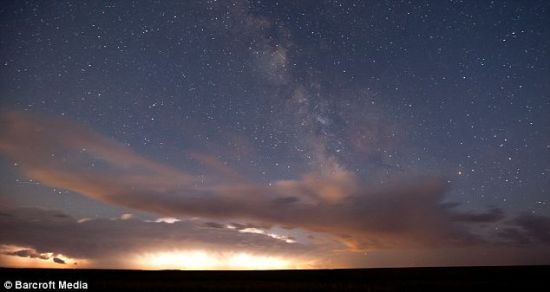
[(46, 285)]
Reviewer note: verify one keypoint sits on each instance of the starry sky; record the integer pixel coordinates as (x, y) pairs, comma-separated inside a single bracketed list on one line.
[(274, 134)]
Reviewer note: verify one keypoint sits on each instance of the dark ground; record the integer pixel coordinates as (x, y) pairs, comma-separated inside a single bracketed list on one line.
[(518, 278)]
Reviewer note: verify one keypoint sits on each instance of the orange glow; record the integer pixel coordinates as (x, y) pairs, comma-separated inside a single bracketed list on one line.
[(47, 260), (203, 260)]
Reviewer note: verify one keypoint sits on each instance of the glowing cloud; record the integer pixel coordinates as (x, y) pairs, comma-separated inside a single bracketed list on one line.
[(19, 256), (332, 201)]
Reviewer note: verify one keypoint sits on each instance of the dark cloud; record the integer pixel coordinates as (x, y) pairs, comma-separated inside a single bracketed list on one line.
[(535, 226), (492, 215), (526, 229), (213, 225), (30, 253), (57, 153), (27, 253), (514, 235)]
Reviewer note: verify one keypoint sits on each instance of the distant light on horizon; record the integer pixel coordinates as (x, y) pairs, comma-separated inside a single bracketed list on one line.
[(205, 260)]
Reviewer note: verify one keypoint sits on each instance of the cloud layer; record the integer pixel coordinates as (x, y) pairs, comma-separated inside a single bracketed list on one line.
[(59, 153), (45, 234), (60, 240)]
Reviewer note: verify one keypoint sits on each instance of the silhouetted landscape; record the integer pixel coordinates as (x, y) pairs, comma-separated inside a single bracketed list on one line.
[(513, 278)]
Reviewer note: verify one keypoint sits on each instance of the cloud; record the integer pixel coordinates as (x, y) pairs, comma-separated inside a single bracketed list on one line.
[(536, 226), (527, 229), (116, 243), (214, 225), (494, 214), (27, 253), (126, 216), (58, 152), (30, 253), (514, 235), (111, 242)]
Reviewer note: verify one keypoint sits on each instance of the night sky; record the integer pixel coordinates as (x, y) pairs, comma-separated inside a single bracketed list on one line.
[(274, 134)]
